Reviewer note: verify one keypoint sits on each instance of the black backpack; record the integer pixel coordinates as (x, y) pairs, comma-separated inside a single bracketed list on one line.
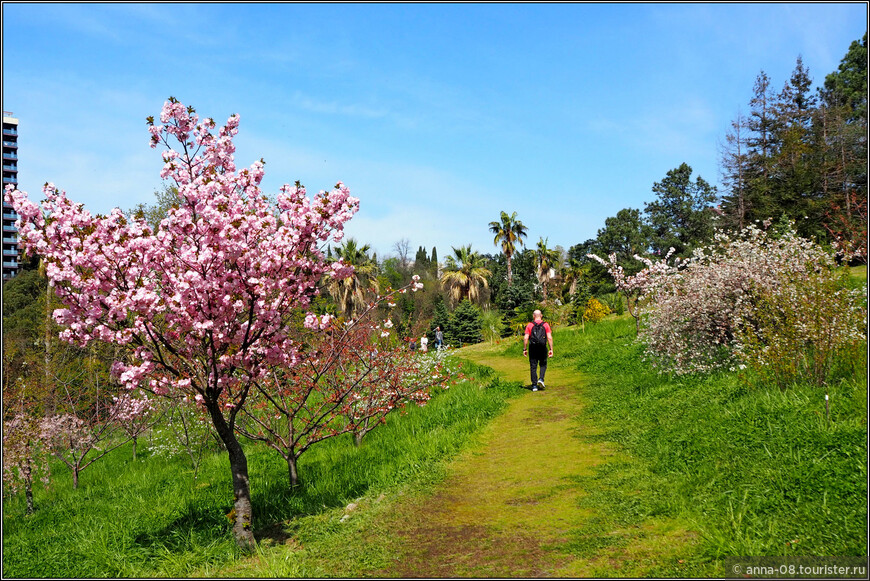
[(538, 336)]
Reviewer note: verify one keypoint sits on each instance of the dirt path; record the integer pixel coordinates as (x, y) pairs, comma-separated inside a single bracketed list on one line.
[(510, 506), (510, 502)]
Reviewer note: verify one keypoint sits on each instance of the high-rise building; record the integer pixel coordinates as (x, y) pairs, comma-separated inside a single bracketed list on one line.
[(10, 176)]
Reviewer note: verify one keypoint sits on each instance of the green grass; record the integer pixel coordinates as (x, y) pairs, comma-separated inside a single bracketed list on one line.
[(755, 470), (703, 468), (149, 518)]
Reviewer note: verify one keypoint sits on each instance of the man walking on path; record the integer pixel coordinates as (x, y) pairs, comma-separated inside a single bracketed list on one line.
[(535, 340)]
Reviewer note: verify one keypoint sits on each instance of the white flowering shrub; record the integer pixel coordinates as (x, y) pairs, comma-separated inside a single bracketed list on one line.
[(719, 309)]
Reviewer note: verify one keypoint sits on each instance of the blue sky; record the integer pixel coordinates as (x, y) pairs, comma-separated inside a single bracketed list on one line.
[(437, 116)]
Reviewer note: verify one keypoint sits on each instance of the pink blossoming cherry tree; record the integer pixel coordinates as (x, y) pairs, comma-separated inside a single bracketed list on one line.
[(200, 305)]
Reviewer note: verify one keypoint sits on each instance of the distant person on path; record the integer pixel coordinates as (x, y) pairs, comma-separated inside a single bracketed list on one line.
[(439, 338), (424, 343), (535, 340)]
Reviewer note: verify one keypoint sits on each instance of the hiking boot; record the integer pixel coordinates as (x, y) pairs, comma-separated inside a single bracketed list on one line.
[(540, 384)]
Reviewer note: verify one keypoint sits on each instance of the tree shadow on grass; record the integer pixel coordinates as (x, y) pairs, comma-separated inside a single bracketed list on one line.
[(198, 525), (276, 502)]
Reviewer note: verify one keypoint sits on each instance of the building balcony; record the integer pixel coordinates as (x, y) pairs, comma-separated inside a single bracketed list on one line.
[(10, 168), (12, 144), (8, 240), (7, 264), (12, 156), (10, 228), (10, 216), (10, 180)]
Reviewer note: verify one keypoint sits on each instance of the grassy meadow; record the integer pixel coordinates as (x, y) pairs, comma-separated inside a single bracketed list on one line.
[(150, 518), (749, 469), (754, 469)]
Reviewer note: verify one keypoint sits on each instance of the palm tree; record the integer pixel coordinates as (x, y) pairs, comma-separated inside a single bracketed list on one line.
[(549, 260), (349, 293), (509, 232), (574, 272), (464, 274)]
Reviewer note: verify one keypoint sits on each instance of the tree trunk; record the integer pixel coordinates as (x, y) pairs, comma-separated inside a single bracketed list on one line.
[(28, 488), (509, 270), (242, 508), (293, 470), (632, 310)]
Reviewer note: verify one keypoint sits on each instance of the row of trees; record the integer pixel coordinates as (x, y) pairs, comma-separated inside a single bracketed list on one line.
[(803, 154)]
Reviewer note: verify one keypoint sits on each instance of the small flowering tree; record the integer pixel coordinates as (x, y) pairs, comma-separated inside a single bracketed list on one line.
[(634, 288), (350, 378), (183, 429), (25, 458), (200, 306), (133, 415), (396, 377), (71, 440)]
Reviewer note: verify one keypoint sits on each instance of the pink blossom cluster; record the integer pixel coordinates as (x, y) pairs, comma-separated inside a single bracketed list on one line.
[(202, 302), (132, 414), (25, 458)]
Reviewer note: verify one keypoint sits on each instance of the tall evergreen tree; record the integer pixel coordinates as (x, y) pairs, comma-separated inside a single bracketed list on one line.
[(625, 234), (848, 84), (735, 160), (841, 132), (434, 262), (421, 262), (792, 178), (761, 124), (682, 215)]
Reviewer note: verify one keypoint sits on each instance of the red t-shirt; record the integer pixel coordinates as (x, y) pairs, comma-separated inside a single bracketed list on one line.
[(530, 325)]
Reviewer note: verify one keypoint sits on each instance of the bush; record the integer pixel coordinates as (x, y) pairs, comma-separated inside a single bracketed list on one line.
[(493, 325), (615, 303), (466, 323), (699, 316), (809, 328), (595, 310)]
